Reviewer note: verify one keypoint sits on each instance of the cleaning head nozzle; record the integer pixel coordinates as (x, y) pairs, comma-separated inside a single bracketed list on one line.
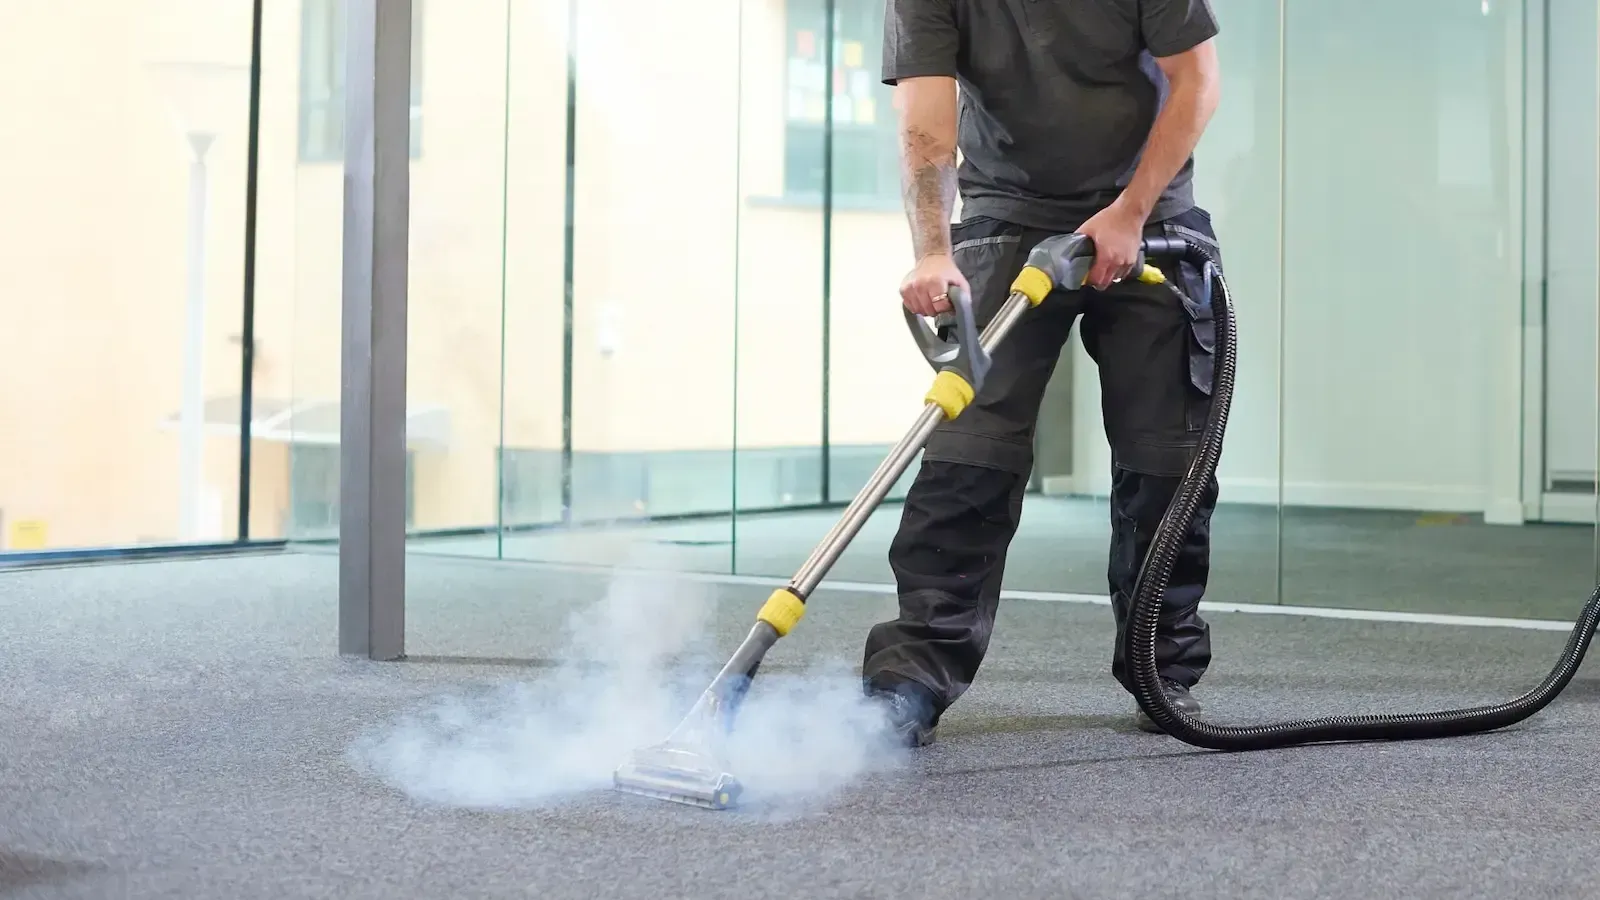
[(678, 775), (687, 767)]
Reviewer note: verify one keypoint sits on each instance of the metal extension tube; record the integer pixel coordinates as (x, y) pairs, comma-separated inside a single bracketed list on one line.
[(815, 568)]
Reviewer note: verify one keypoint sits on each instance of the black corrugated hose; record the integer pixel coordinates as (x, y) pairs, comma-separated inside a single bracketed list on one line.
[(1169, 538)]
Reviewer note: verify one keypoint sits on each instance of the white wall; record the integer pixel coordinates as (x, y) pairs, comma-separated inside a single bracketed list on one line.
[(1381, 366)]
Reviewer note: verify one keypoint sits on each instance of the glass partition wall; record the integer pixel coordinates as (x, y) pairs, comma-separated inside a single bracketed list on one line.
[(121, 273), (1560, 367), (653, 318), (1404, 216), (1439, 334), (1382, 206)]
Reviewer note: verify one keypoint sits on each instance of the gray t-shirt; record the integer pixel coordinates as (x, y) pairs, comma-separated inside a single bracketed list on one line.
[(1057, 96)]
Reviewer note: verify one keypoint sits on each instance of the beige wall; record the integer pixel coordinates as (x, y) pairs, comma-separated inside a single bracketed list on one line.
[(679, 127)]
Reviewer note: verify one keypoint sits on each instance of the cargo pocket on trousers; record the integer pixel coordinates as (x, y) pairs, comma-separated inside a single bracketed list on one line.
[(986, 251), (1202, 343)]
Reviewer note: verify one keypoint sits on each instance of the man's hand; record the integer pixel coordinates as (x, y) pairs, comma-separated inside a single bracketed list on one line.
[(1117, 232), (926, 290)]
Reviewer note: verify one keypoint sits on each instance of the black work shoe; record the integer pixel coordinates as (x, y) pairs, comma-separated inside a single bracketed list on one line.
[(1179, 696), (910, 715)]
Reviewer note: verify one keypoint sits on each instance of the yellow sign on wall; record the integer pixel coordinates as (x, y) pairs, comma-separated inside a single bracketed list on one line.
[(28, 534)]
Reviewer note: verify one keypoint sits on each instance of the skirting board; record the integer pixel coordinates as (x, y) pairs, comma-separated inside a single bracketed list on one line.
[(1267, 492)]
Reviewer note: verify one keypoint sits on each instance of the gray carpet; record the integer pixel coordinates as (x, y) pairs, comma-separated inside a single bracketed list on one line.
[(181, 729), (1409, 562)]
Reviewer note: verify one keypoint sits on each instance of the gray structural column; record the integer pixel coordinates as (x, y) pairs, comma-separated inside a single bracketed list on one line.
[(372, 465)]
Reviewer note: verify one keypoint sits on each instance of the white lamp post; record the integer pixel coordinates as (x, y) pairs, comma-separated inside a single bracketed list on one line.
[(192, 444), (203, 97)]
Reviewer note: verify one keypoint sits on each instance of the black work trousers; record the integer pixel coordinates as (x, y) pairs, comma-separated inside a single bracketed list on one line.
[(1155, 358)]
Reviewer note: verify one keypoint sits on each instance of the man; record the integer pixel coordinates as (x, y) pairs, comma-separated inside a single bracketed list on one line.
[(1072, 116)]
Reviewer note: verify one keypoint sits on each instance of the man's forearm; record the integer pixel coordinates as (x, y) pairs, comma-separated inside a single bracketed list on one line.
[(928, 180), (1173, 138)]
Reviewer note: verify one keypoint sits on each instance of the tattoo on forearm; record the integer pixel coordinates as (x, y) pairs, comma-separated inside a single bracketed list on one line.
[(929, 187)]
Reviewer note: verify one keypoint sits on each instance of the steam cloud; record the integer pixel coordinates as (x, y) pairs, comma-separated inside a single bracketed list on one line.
[(633, 664)]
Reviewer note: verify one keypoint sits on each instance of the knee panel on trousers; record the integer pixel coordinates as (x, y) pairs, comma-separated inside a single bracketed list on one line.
[(956, 523)]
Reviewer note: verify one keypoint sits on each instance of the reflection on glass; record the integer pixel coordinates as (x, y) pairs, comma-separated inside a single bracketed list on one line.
[(1404, 243), (121, 285)]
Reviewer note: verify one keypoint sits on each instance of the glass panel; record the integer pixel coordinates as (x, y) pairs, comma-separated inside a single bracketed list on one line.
[(486, 273), (458, 240), (299, 253), (1403, 238), (1560, 396), (121, 273), (278, 298), (535, 220), (653, 278), (1241, 182), (785, 310), (876, 376)]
